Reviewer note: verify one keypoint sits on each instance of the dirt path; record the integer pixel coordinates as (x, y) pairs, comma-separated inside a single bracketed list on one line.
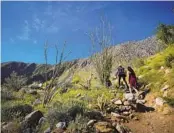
[(152, 122)]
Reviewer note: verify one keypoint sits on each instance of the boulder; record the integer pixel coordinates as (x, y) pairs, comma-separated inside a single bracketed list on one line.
[(32, 119), (159, 101), (118, 102), (129, 96), (141, 101), (91, 122), (124, 108), (61, 125), (115, 115), (126, 113), (35, 86), (126, 103), (162, 68), (48, 130), (42, 120)]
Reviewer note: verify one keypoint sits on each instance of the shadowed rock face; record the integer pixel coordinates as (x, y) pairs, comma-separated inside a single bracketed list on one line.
[(124, 52)]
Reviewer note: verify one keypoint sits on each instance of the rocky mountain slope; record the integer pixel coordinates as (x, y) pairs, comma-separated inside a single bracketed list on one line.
[(123, 52), (75, 108)]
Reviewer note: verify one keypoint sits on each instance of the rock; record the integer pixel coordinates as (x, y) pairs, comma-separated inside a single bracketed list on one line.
[(141, 101), (40, 85), (61, 125), (48, 130), (162, 68), (124, 108), (126, 113), (42, 120), (104, 127), (126, 103), (35, 86), (165, 88), (33, 118), (113, 100), (91, 122), (115, 115), (142, 108), (33, 92), (36, 102), (159, 101), (118, 102), (129, 96)]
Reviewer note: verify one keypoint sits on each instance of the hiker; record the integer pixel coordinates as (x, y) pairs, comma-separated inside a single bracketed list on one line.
[(121, 74), (132, 80)]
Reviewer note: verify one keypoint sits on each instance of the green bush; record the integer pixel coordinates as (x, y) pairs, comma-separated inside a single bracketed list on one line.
[(169, 60), (7, 95), (79, 125), (16, 111), (76, 79), (15, 82), (138, 62), (64, 112)]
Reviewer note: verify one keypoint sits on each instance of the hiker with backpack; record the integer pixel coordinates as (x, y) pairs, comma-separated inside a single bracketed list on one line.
[(132, 80), (121, 74)]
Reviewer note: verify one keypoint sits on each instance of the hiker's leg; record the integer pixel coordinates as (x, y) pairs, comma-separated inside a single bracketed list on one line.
[(124, 79), (119, 79), (134, 88), (130, 89)]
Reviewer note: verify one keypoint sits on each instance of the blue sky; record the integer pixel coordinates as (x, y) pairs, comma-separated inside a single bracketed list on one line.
[(27, 25)]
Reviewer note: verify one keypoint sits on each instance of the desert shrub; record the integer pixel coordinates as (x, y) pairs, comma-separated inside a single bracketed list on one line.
[(169, 60), (165, 33), (138, 62), (7, 95), (14, 127), (15, 82), (76, 79), (170, 101), (101, 103), (64, 112), (102, 56), (79, 125), (15, 111)]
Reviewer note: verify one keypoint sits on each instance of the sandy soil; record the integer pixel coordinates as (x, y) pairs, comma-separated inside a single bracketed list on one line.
[(152, 122)]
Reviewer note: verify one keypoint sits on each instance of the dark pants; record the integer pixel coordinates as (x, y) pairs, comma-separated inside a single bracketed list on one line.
[(124, 79)]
